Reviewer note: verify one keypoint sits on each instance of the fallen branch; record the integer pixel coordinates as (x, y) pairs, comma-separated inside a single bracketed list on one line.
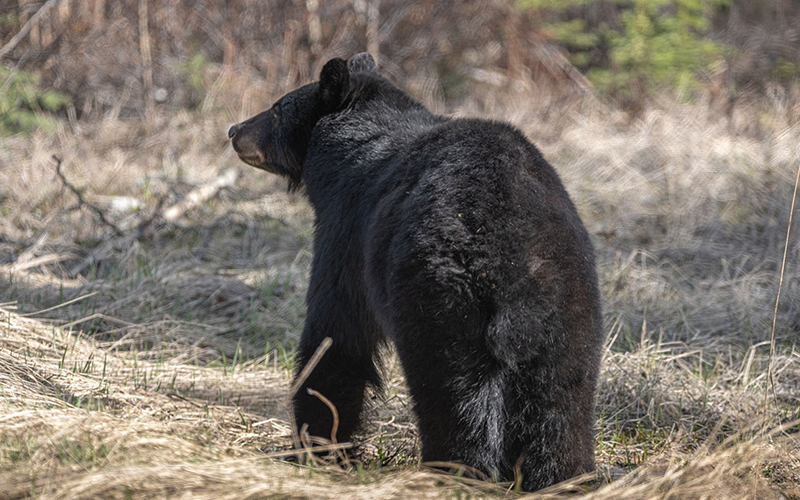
[(127, 235), (200, 195), (49, 4)]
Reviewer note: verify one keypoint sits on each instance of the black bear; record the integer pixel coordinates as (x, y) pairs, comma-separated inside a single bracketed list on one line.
[(456, 240)]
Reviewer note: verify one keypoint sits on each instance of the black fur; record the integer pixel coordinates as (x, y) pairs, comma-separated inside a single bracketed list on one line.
[(456, 240)]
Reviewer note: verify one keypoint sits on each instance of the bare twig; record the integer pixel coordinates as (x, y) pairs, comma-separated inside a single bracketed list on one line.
[(312, 363), (94, 316), (61, 305), (330, 406), (312, 449), (770, 380), (301, 378), (340, 454), (49, 4), (82, 201), (174, 395)]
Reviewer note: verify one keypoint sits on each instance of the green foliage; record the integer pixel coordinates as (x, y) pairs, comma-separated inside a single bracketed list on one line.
[(652, 43), (9, 21), (194, 70), (567, 29), (15, 449), (660, 44), (784, 70), (24, 106)]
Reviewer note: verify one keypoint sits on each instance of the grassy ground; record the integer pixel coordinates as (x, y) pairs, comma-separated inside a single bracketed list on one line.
[(160, 365)]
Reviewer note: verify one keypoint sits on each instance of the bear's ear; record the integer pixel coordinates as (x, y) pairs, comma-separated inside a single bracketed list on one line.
[(334, 82), (362, 62)]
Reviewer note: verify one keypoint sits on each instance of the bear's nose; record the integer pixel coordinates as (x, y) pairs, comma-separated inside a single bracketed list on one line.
[(232, 131)]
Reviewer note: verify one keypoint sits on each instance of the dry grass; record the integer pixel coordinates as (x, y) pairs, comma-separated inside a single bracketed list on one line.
[(80, 421), (169, 375), (77, 422)]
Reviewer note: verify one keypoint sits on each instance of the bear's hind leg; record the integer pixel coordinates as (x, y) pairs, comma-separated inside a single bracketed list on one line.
[(457, 391), (550, 428)]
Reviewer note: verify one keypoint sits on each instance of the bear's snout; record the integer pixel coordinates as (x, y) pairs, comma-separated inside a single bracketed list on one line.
[(244, 139)]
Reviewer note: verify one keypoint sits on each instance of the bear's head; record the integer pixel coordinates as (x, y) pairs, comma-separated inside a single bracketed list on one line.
[(276, 140)]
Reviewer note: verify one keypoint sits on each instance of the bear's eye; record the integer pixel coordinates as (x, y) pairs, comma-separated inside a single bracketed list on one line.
[(276, 113)]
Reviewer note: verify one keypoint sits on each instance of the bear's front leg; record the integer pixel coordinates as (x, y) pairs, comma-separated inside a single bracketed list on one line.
[(341, 379), (343, 372)]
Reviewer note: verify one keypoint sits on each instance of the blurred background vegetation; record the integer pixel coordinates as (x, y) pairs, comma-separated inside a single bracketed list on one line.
[(85, 59)]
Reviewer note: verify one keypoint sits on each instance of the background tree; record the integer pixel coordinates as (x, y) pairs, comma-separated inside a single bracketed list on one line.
[(632, 48)]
